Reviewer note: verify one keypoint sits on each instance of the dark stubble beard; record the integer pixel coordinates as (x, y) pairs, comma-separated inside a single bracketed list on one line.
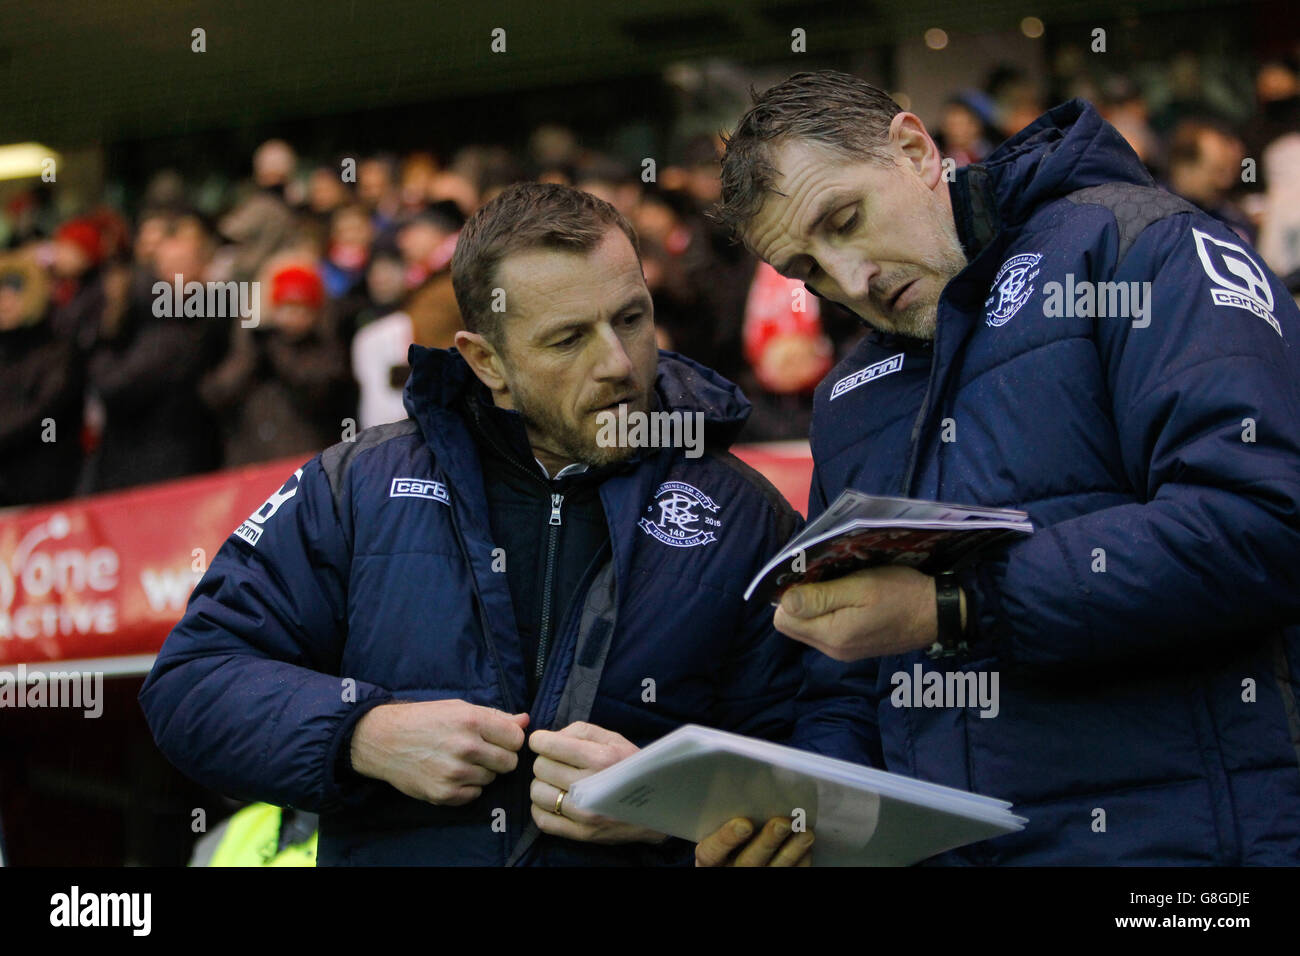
[(946, 259), (570, 441)]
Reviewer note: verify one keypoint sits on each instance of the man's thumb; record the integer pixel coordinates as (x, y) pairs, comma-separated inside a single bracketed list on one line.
[(795, 603), (520, 719)]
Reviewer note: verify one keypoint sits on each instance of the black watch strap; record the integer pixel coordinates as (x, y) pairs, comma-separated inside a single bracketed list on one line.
[(947, 594)]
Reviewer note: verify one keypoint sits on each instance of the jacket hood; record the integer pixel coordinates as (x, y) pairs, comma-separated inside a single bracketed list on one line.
[(1068, 148), (441, 377)]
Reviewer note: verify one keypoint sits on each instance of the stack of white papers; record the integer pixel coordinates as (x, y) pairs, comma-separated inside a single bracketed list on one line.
[(695, 779)]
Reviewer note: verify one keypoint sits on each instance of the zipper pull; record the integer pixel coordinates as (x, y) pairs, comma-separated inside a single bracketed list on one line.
[(556, 501)]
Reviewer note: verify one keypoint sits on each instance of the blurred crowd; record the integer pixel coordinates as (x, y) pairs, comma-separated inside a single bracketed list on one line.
[(104, 385), (1244, 173)]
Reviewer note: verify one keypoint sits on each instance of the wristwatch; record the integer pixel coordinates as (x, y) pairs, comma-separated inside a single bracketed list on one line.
[(951, 639)]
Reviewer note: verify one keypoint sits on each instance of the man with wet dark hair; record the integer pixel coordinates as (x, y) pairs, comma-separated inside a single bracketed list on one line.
[(1048, 331)]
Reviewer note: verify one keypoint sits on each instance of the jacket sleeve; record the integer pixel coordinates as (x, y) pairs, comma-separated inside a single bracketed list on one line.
[(246, 696), (756, 686), (1207, 413), (835, 710)]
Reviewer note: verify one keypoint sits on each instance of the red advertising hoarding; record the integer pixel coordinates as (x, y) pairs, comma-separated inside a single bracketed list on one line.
[(103, 579)]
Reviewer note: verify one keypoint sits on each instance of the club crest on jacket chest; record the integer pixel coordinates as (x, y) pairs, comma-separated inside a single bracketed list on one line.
[(1012, 287), (681, 516)]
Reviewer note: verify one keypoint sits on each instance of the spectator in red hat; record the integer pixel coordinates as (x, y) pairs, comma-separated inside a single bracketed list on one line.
[(78, 295), (77, 247), (285, 387), (297, 296)]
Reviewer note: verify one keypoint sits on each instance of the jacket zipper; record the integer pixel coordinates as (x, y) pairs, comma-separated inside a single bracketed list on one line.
[(553, 526), (915, 444), (552, 548), (548, 585)]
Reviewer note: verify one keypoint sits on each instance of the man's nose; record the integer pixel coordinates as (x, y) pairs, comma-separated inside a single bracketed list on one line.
[(850, 272), (613, 363)]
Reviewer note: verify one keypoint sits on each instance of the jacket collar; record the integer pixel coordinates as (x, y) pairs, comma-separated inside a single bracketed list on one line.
[(441, 381), (501, 433), (1070, 147)]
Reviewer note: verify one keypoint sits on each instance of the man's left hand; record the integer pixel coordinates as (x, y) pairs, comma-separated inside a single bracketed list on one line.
[(870, 613), (563, 758)]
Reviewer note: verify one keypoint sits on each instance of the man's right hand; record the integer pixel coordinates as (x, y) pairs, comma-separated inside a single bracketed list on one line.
[(735, 844), (440, 751)]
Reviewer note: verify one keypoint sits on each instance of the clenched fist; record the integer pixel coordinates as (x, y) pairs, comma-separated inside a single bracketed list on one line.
[(439, 751)]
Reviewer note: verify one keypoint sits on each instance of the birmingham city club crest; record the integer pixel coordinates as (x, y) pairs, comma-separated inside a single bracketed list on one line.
[(681, 516), (1012, 287)]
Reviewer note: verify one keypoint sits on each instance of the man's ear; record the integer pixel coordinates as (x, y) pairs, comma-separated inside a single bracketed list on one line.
[(917, 146), (484, 359)]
